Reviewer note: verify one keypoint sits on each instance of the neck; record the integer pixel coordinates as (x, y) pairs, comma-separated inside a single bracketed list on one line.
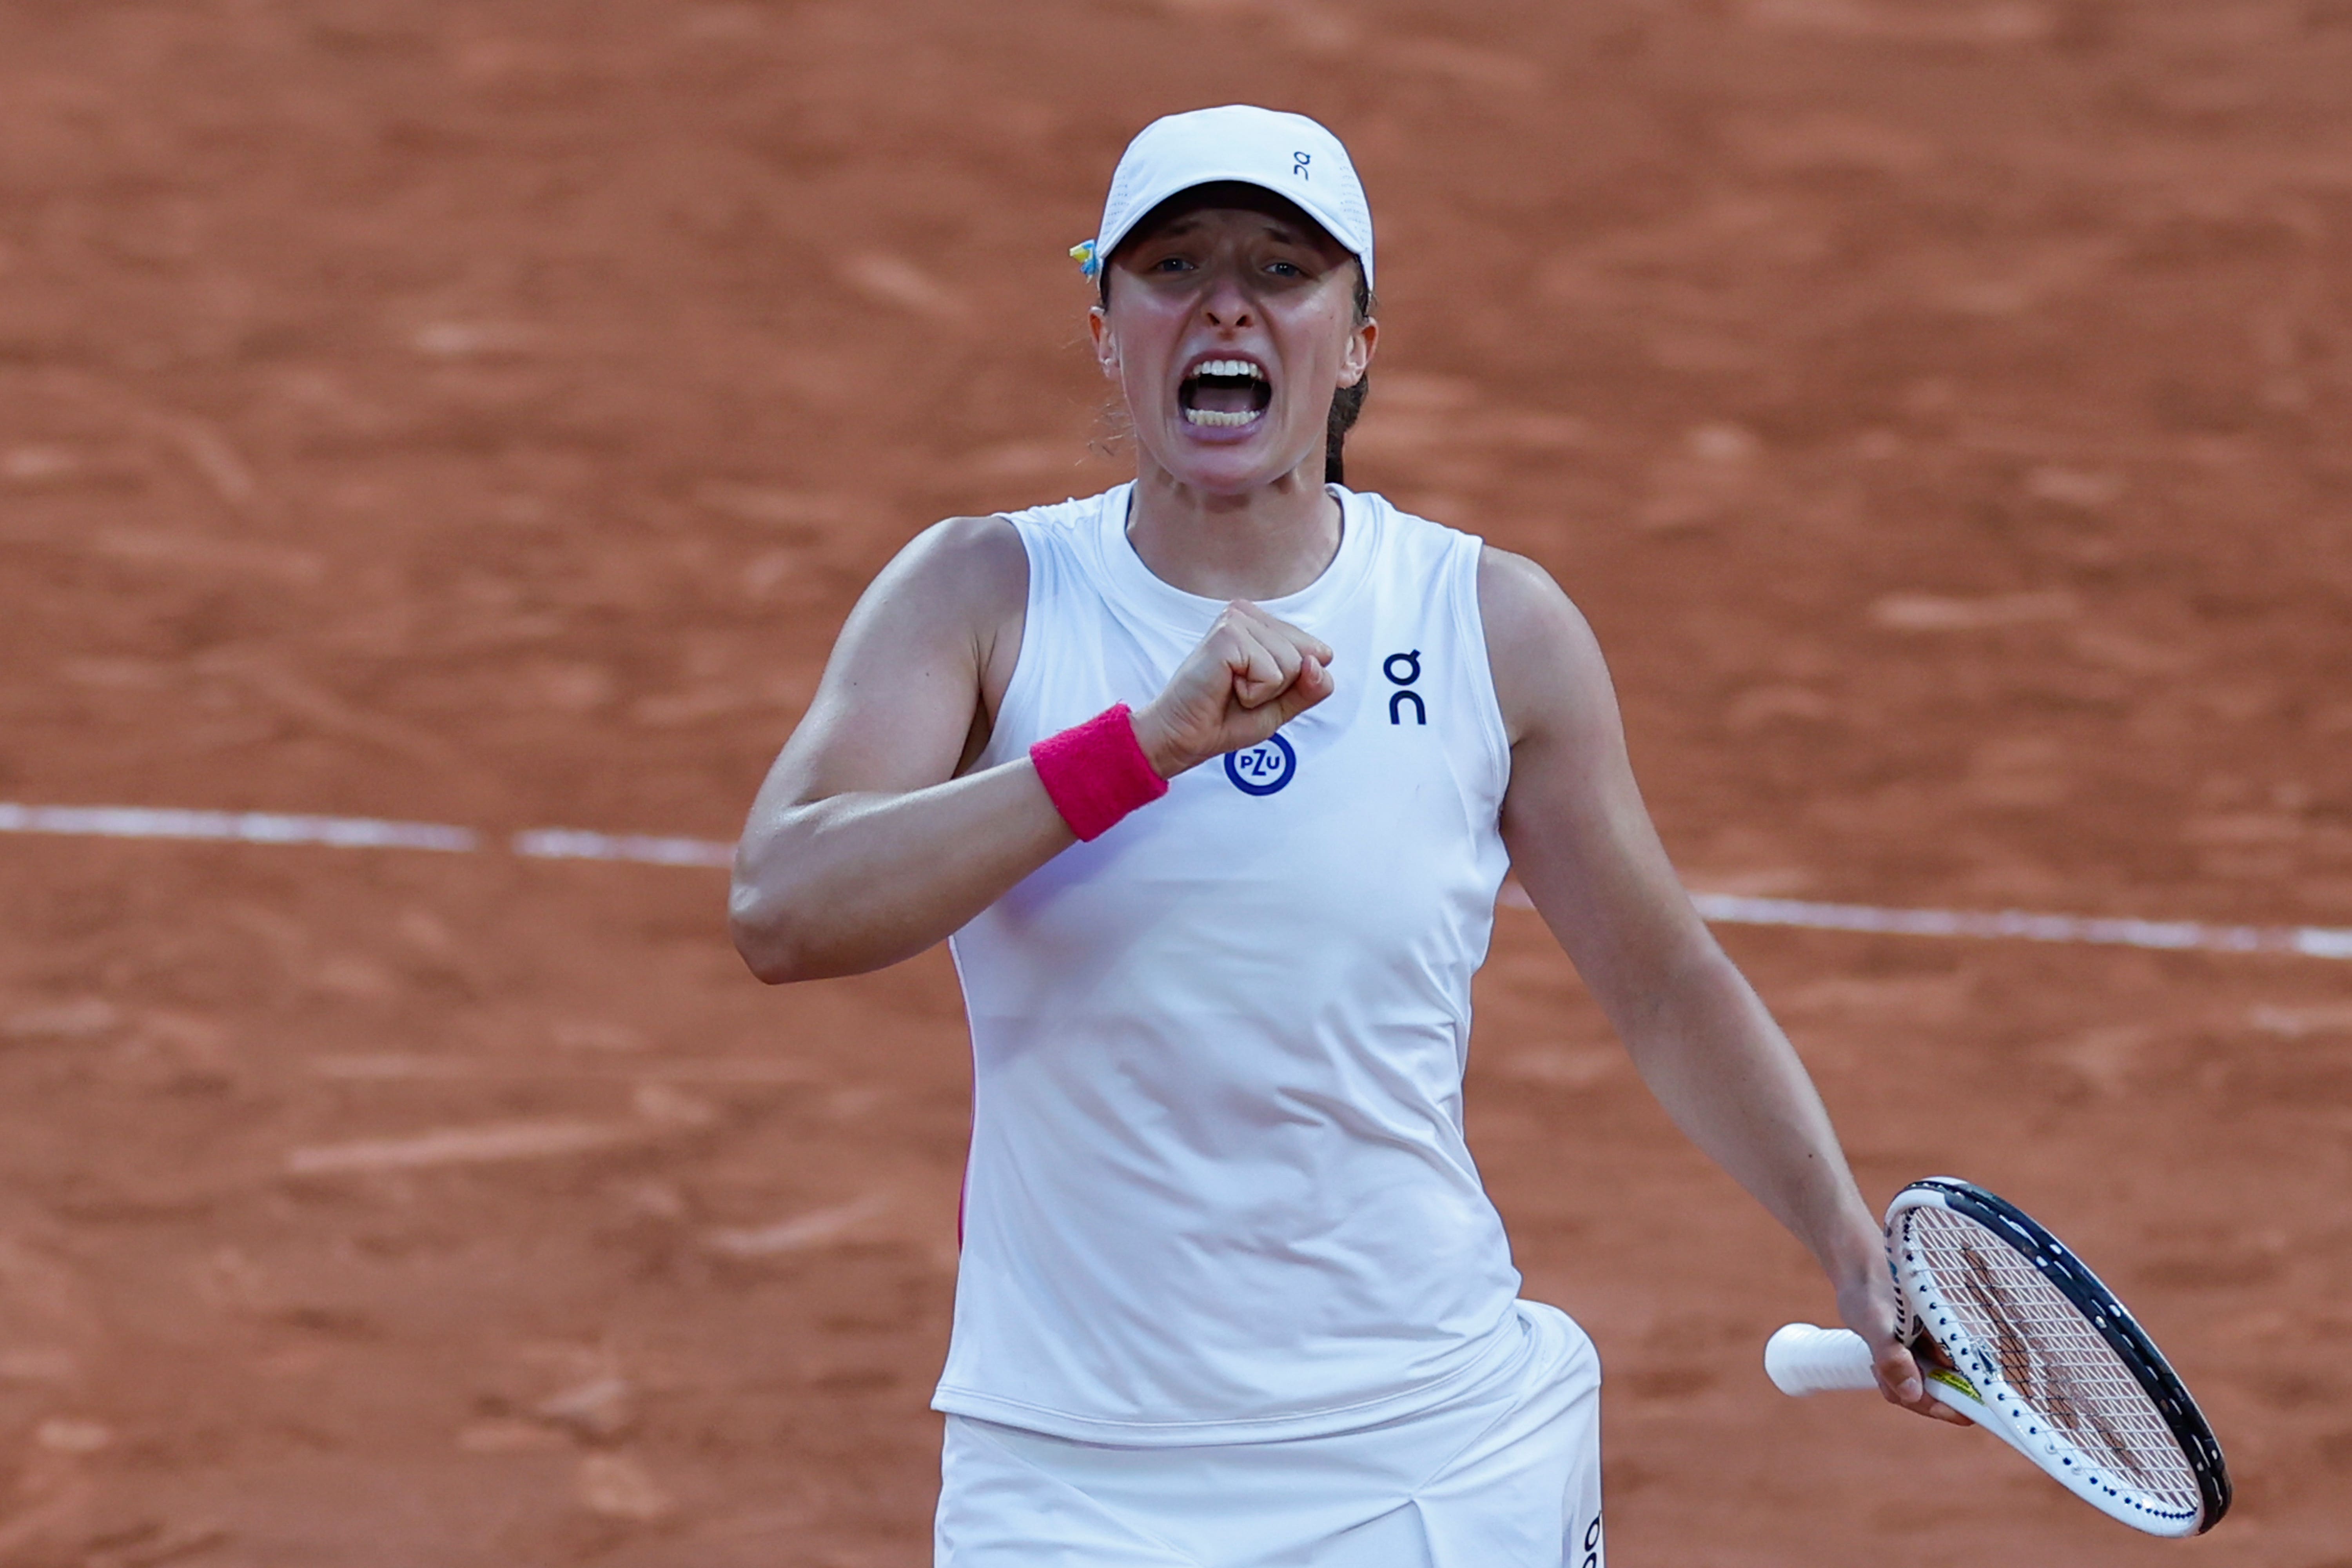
[(1263, 544)]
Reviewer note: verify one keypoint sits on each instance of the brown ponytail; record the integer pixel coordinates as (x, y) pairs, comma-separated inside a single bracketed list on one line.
[(1348, 401)]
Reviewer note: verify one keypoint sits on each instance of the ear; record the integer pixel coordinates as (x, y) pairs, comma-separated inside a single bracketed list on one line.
[(1106, 346), (1357, 359)]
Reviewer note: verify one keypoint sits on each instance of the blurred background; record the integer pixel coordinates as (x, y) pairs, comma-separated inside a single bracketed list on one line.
[(486, 414)]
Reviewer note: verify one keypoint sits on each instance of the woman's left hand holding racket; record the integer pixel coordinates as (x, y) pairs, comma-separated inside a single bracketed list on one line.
[(1866, 1301)]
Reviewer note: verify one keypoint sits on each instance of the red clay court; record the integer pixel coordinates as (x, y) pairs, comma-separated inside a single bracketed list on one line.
[(485, 415)]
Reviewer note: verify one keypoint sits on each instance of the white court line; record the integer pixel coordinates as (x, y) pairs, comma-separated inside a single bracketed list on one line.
[(240, 826), (2312, 941), (572, 844), (1721, 909)]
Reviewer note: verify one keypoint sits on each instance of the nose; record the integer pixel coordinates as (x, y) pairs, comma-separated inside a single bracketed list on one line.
[(1227, 304)]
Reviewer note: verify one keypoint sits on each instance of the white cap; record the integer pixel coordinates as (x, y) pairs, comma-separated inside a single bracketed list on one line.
[(1289, 154)]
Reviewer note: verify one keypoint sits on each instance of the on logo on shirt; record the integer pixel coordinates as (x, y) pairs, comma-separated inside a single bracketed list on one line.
[(1403, 669)]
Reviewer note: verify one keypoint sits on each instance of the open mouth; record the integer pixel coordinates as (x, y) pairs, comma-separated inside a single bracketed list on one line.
[(1225, 393)]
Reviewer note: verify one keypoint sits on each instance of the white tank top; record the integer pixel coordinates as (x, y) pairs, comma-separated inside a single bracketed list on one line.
[(1218, 1189)]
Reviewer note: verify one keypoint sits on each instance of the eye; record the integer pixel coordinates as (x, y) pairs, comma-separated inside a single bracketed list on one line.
[(1286, 269), (1172, 264)]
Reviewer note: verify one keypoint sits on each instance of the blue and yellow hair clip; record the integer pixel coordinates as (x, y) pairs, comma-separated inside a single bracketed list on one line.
[(1083, 253)]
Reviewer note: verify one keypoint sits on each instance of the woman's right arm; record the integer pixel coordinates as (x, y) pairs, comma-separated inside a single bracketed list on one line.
[(863, 847)]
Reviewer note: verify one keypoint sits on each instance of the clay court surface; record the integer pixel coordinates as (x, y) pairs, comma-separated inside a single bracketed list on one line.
[(485, 414)]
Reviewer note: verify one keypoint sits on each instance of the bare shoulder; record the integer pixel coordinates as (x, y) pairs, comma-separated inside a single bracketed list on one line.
[(1547, 664), (963, 581), (918, 669), (971, 562)]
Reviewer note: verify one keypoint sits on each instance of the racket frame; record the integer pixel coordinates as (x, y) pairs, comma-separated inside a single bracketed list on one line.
[(1976, 1388)]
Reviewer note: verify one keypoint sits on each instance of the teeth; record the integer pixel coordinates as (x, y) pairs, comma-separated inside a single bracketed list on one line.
[(1219, 417), (1229, 367)]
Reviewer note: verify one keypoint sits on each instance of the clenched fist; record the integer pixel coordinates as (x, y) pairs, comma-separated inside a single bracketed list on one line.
[(1250, 675)]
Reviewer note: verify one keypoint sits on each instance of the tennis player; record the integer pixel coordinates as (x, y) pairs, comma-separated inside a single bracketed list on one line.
[(1212, 780)]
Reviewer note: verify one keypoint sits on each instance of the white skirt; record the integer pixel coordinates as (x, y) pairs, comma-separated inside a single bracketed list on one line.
[(1505, 1475)]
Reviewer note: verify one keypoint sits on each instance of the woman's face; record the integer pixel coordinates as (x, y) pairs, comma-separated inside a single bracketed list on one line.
[(1228, 328)]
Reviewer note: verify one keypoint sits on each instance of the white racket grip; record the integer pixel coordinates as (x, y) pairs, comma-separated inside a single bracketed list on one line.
[(1803, 1359)]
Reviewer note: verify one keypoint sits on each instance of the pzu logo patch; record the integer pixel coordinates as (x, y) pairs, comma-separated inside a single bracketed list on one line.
[(1264, 768)]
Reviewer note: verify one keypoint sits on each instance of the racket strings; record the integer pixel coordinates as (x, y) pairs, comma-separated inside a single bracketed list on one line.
[(2052, 1357)]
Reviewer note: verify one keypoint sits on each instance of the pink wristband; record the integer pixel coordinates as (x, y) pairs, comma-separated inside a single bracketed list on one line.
[(1095, 773)]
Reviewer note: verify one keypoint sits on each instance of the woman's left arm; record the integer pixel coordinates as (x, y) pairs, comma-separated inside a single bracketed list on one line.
[(1583, 847)]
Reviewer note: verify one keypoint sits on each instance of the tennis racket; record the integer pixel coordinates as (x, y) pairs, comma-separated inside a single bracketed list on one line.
[(2013, 1331)]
